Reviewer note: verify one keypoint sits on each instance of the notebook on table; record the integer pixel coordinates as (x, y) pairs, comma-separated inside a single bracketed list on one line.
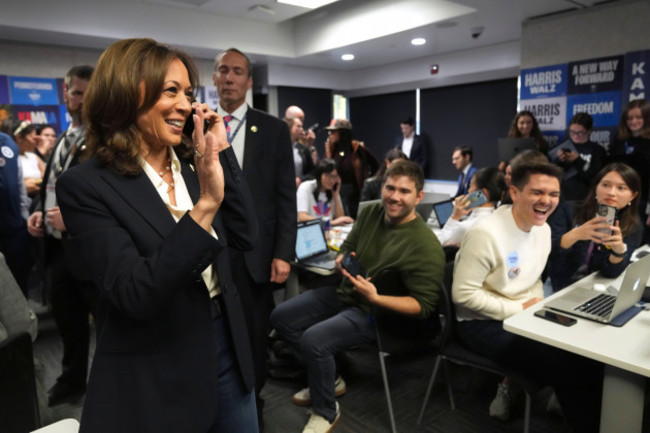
[(311, 246), (604, 307)]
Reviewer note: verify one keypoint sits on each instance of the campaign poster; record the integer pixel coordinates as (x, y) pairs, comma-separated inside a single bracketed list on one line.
[(604, 108), (4, 90), (544, 82), (38, 115), (549, 112), (596, 75), (208, 95), (64, 118), (33, 91), (636, 81)]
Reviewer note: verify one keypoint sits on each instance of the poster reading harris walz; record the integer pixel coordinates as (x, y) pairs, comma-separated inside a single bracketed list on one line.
[(543, 92)]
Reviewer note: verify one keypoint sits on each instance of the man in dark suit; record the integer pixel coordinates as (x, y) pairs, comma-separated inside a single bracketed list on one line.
[(413, 145), (303, 160), (462, 160), (263, 148), (71, 299)]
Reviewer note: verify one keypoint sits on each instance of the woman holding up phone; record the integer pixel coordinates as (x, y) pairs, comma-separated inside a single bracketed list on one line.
[(320, 198), (486, 188), (584, 241)]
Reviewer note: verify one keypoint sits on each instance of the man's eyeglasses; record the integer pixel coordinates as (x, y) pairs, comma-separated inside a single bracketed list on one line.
[(578, 133)]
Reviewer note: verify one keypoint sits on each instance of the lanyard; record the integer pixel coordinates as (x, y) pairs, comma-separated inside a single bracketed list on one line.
[(241, 122)]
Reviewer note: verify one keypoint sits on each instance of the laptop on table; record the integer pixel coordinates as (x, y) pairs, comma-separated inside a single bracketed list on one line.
[(604, 307), (311, 246), (443, 211)]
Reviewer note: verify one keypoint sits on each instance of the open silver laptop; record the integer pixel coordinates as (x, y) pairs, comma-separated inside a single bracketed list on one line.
[(603, 307), (311, 246)]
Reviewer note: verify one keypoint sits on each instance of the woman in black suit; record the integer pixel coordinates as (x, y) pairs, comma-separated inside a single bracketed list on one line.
[(150, 228)]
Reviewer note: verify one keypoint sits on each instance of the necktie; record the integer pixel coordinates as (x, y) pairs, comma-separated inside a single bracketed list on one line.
[(227, 119)]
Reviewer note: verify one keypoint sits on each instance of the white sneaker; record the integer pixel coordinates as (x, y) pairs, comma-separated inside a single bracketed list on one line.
[(303, 397), (318, 424), (500, 406)]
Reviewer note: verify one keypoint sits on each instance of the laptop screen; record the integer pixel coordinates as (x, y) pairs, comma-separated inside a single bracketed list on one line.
[(443, 211), (310, 240)]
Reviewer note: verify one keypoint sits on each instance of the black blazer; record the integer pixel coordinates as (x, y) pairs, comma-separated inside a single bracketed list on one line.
[(155, 364), (269, 170), (419, 151)]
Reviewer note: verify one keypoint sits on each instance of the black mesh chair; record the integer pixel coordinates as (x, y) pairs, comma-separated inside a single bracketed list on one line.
[(397, 333), (18, 398), (451, 351)]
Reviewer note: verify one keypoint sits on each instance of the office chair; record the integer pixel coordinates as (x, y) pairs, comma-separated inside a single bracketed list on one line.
[(452, 351), (397, 333), (18, 398)]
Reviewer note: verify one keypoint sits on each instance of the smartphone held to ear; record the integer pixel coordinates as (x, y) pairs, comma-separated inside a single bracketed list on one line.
[(188, 129), (610, 213), (476, 198)]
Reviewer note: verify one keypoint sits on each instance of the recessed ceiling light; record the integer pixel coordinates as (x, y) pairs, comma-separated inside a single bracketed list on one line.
[(418, 41), (307, 4), (347, 57)]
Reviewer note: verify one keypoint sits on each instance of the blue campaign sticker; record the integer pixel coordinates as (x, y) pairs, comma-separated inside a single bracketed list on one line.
[(513, 259)]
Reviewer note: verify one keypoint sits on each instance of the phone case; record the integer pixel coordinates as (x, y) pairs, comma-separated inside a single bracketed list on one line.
[(352, 265)]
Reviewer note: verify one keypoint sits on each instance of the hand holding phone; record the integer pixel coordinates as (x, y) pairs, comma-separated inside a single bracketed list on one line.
[(558, 318), (352, 265), (476, 199), (610, 213), (188, 128)]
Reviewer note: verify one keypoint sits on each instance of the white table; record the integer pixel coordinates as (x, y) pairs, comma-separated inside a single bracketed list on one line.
[(625, 351)]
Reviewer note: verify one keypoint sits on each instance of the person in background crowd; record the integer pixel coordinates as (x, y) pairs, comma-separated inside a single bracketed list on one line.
[(583, 242), (319, 198), (529, 156), (355, 163), (524, 125), (414, 146), (632, 147), (579, 166), (14, 211), (308, 137), (302, 156), (72, 299), (491, 182), (47, 138), (262, 145), (33, 168), (150, 226), (462, 160), (372, 186)]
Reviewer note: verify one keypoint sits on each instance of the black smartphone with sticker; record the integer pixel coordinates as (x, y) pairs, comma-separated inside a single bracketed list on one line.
[(610, 213), (476, 198), (558, 318), (352, 265)]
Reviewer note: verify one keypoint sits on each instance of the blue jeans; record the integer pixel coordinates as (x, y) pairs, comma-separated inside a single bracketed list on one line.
[(236, 410), (317, 327)]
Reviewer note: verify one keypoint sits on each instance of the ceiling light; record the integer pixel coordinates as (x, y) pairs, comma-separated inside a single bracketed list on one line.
[(347, 57), (418, 41), (307, 4)]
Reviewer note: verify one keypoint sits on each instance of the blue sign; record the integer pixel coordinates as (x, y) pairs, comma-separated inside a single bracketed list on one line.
[(33, 91), (596, 75), (605, 107), (636, 82), (64, 117), (4, 90), (543, 82)]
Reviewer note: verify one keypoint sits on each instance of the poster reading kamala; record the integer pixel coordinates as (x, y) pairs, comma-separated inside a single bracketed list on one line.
[(636, 83)]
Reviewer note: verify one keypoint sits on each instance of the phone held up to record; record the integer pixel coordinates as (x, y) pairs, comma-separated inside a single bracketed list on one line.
[(560, 319), (610, 213), (352, 265)]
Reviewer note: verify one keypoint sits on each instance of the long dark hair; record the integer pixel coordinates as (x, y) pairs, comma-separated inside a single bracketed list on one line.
[(623, 131), (325, 165), (391, 156), (628, 216), (493, 181), (535, 132)]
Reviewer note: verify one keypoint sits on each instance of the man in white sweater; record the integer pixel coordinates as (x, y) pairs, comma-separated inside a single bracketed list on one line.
[(498, 274)]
